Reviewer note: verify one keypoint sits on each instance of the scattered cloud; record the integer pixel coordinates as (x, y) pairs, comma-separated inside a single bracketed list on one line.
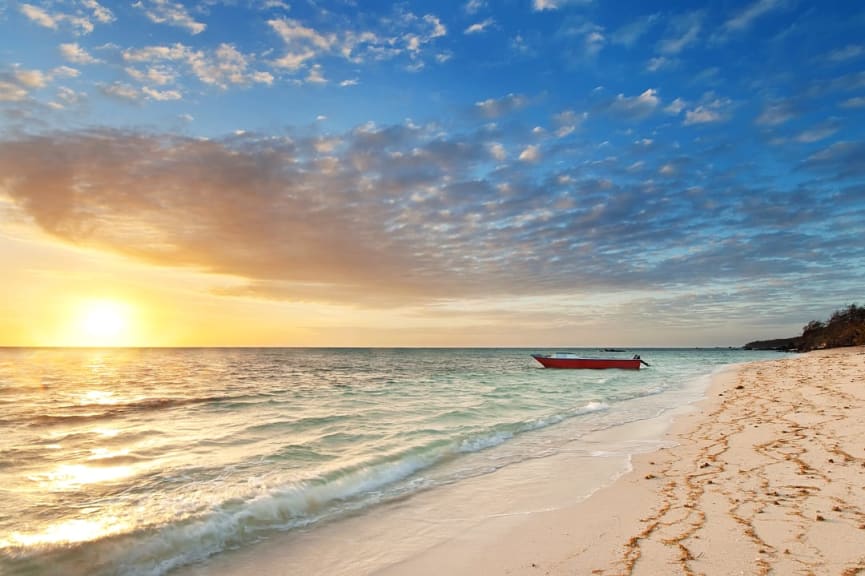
[(543, 5), (636, 106), (40, 16), (819, 132), (857, 102), (474, 6), (494, 108), (630, 34), (841, 159), (122, 91), (223, 67), (701, 115), (711, 110), (743, 19), (498, 151), (676, 106), (682, 31), (849, 52), (659, 62), (479, 27), (776, 113), (316, 75), (408, 36), (567, 122), (81, 21), (76, 54), (161, 95), (171, 13), (530, 154)]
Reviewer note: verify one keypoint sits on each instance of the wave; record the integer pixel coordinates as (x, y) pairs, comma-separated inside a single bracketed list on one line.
[(90, 412), (240, 520)]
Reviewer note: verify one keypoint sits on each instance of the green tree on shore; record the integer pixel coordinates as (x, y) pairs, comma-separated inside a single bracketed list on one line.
[(846, 327)]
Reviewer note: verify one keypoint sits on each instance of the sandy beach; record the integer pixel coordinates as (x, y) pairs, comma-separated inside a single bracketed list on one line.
[(767, 476)]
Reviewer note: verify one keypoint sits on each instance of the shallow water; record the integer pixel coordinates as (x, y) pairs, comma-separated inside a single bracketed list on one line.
[(138, 461)]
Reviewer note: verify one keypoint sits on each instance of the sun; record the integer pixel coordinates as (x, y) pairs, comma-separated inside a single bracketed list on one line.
[(104, 322)]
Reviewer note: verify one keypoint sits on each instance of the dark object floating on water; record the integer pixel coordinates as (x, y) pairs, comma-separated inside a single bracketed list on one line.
[(571, 360), (613, 350)]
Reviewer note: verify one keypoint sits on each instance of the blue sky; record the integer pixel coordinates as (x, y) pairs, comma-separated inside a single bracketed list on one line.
[(641, 172)]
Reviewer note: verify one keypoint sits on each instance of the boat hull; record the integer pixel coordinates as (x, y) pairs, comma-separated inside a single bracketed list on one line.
[(588, 363)]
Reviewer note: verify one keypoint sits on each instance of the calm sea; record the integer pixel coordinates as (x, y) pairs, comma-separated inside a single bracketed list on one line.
[(139, 461)]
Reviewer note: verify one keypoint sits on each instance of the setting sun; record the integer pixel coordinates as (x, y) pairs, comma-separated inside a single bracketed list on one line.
[(104, 323)]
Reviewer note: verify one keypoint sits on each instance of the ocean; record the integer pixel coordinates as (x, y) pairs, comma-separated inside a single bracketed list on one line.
[(157, 461)]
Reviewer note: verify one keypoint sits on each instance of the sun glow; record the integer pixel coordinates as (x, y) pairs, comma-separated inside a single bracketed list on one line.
[(104, 323)]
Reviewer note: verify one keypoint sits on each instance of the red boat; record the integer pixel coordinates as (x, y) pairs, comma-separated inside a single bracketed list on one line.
[(570, 360)]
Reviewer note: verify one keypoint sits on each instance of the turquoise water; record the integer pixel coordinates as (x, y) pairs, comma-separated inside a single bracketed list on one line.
[(138, 461)]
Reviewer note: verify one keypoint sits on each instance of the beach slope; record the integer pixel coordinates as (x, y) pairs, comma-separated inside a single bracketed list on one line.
[(766, 476)]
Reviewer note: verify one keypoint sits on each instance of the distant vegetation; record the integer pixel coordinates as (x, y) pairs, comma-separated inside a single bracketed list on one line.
[(846, 327)]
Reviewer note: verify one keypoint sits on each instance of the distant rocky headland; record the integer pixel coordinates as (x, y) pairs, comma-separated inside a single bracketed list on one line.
[(846, 327)]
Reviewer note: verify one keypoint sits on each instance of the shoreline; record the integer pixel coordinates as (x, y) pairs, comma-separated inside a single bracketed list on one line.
[(765, 476), (734, 483)]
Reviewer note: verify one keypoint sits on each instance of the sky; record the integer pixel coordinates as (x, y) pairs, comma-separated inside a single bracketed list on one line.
[(538, 173)]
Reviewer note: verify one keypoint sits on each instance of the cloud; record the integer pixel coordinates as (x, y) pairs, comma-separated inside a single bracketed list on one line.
[(431, 217), (743, 20), (541, 5), (40, 16), (567, 122), (658, 62), (711, 110), (498, 151), (544, 5), (776, 113), (479, 27), (840, 160), (75, 53), (161, 95), (100, 12), (629, 34), (302, 43), (12, 91), (857, 102), (158, 75), (819, 132), (407, 35), (495, 108), (676, 106), (701, 115), (474, 6), (221, 67), (592, 38), (171, 13), (849, 52), (637, 106), (17, 83), (681, 32), (316, 75), (122, 91), (31, 78), (530, 154), (79, 21)]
